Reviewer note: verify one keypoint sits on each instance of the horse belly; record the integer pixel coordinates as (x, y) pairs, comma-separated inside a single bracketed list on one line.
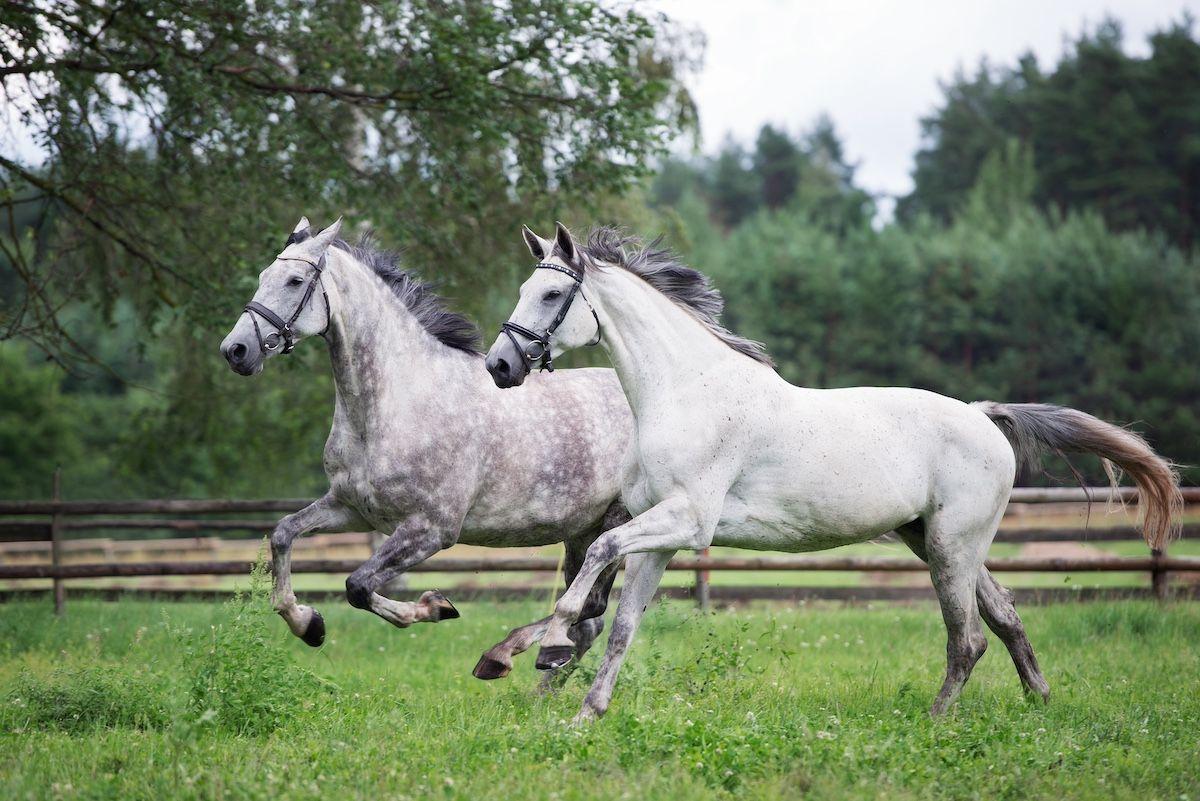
[(816, 519)]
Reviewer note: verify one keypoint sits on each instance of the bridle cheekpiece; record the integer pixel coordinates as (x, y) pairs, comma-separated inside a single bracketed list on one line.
[(284, 334), (537, 349)]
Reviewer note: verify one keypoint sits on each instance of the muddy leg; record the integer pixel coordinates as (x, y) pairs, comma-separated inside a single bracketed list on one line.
[(324, 514), (956, 542), (996, 606), (965, 643), (997, 609)]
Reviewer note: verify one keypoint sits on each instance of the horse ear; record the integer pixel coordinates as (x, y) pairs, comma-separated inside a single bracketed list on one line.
[(300, 233), (327, 236), (566, 245), (536, 245)]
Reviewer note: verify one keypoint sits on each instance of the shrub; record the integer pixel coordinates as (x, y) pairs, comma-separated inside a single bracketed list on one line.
[(241, 676), (75, 699)]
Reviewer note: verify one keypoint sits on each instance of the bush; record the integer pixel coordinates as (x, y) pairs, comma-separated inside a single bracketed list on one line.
[(76, 699), (241, 677)]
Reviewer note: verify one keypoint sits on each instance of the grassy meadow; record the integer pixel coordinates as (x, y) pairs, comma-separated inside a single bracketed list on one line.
[(142, 700)]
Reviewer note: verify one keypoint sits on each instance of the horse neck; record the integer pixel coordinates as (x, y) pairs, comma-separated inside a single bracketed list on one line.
[(377, 348), (650, 340)]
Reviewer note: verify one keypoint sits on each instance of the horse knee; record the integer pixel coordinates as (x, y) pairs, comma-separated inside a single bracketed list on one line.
[(358, 592), (281, 538)]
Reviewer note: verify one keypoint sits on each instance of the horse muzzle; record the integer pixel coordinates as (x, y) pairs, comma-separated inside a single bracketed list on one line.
[(506, 365), (242, 358)]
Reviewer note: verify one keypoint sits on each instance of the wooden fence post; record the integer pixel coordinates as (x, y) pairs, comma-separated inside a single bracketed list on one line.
[(702, 577), (1159, 579), (56, 529)]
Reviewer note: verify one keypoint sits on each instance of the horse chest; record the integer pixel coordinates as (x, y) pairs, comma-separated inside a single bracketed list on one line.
[(364, 484), (359, 491)]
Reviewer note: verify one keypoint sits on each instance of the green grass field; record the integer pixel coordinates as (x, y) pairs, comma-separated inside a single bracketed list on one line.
[(142, 700)]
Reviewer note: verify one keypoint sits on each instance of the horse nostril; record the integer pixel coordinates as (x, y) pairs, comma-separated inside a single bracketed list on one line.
[(237, 353), (502, 368)]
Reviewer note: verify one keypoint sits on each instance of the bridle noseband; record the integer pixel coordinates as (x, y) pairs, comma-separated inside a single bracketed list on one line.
[(538, 347), (284, 334)]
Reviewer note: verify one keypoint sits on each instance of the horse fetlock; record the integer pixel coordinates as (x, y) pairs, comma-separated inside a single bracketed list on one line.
[(1038, 688), (299, 618), (358, 593)]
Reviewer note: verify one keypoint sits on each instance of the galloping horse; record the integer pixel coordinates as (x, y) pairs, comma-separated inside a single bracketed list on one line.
[(728, 453), (423, 447)]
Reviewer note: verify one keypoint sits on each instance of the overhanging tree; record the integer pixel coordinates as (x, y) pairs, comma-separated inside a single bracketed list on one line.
[(158, 149)]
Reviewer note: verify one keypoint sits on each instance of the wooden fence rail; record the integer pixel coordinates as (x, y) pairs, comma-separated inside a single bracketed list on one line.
[(43, 524), (225, 506), (1111, 564)]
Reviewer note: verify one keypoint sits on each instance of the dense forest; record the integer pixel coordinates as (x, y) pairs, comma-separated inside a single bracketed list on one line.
[(1045, 253)]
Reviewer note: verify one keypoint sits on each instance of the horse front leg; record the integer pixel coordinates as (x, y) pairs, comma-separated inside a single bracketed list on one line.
[(642, 574), (497, 660), (413, 541), (672, 525), (322, 515)]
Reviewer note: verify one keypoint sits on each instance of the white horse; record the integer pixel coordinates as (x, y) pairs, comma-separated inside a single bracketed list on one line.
[(728, 453), (421, 448)]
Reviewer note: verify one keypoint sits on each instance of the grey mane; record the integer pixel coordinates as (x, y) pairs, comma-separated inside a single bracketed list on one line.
[(449, 327), (660, 268)]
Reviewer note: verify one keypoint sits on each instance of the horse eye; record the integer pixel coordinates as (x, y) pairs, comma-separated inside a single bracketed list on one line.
[(553, 294), (295, 281)]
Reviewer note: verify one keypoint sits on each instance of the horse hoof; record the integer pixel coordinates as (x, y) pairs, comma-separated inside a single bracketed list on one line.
[(441, 606), (552, 657), (314, 635), (487, 668)]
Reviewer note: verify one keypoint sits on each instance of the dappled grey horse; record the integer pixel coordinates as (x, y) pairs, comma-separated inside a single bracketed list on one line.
[(424, 448), (728, 453)]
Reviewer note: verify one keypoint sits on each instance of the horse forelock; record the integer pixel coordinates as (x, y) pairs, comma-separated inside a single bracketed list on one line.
[(660, 267)]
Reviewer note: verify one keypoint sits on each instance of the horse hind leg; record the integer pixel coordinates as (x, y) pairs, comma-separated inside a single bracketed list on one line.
[(996, 606), (955, 554), (998, 612)]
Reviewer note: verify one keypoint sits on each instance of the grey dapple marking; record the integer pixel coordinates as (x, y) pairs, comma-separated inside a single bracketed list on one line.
[(728, 453), (424, 448)]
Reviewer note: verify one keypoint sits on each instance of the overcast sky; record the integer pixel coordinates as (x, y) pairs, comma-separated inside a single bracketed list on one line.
[(874, 66)]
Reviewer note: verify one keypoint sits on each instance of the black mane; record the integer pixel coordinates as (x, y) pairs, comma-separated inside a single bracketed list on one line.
[(659, 267), (449, 327)]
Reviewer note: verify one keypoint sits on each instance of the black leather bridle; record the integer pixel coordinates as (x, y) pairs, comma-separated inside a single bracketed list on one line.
[(538, 347), (283, 333)]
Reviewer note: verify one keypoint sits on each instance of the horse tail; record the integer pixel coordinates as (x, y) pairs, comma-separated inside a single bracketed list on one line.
[(1035, 428)]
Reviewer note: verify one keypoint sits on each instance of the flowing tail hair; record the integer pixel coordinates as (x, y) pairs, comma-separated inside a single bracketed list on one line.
[(1035, 428)]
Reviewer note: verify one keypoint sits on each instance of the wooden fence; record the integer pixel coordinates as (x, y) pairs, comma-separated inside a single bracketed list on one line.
[(50, 522)]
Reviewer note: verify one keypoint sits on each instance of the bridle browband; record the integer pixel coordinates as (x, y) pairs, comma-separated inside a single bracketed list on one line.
[(283, 328), (538, 347)]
